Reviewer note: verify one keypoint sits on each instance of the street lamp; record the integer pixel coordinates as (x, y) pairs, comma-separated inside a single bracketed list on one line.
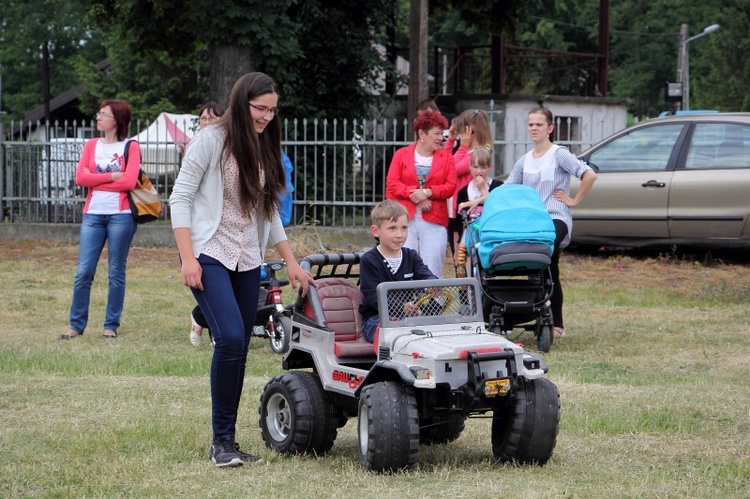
[(685, 62)]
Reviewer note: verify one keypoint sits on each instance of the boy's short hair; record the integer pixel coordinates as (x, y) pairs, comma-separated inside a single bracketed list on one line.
[(386, 211)]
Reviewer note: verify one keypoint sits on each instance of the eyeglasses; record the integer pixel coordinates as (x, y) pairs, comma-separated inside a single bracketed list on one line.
[(103, 115), (264, 110), (208, 119)]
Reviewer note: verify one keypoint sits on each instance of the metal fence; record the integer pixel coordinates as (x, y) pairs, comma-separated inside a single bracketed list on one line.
[(339, 168)]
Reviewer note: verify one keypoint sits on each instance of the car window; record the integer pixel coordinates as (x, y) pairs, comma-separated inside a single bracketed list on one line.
[(647, 148), (719, 145)]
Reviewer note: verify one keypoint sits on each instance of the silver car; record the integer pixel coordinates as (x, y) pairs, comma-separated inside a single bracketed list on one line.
[(677, 180)]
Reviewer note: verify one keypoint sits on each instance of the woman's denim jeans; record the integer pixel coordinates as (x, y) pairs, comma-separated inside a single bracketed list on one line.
[(229, 301), (118, 231)]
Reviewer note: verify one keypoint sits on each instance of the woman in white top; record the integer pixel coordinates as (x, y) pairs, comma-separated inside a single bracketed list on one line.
[(106, 215), (548, 168), (209, 113), (224, 212)]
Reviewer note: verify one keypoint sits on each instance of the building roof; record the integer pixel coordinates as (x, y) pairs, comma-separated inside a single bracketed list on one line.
[(66, 100)]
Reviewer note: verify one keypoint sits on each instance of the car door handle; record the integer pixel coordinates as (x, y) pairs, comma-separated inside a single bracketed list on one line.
[(654, 183)]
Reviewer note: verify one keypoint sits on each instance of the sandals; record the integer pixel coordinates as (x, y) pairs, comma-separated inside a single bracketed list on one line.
[(558, 332), (69, 336), (109, 335)]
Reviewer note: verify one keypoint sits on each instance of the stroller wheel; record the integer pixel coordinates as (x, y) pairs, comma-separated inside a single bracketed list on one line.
[(544, 338)]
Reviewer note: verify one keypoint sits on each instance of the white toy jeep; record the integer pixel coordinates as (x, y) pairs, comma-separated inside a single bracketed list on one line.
[(424, 375)]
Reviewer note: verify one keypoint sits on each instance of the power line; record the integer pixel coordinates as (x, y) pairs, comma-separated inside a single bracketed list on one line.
[(613, 31)]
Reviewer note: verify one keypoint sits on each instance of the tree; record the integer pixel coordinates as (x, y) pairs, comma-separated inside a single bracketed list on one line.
[(720, 63), (32, 28), (321, 52)]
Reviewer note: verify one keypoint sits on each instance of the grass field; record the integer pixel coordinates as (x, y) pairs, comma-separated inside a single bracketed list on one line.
[(654, 377)]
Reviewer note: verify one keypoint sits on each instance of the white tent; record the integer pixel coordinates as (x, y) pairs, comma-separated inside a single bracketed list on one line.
[(163, 143)]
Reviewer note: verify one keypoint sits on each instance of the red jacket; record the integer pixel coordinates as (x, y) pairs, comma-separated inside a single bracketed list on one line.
[(402, 179), (102, 181)]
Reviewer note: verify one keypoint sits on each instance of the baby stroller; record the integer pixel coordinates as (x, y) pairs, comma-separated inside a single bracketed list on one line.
[(509, 249)]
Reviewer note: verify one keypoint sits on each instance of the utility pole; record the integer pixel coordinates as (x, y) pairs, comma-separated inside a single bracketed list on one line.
[(602, 62), (681, 64), (685, 60)]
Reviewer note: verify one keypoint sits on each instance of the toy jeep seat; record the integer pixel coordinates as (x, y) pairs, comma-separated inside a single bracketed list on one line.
[(340, 299)]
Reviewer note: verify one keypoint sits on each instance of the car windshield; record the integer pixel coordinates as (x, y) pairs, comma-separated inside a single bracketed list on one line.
[(644, 149)]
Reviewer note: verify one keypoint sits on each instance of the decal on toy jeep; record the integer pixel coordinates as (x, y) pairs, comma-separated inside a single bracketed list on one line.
[(351, 379)]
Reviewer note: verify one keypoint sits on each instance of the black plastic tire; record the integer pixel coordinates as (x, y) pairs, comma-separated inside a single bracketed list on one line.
[(524, 428), (441, 428), (295, 415), (279, 339), (544, 338), (388, 427)]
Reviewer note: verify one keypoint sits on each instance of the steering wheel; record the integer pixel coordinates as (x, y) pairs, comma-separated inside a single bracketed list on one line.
[(447, 301)]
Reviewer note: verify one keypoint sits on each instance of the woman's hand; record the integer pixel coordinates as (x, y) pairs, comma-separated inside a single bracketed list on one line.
[(566, 200), (466, 134), (191, 273), (425, 205), (116, 176), (417, 196), (297, 275), (452, 133)]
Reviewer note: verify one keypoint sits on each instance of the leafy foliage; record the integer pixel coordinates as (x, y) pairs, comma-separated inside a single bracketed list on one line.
[(25, 26), (322, 53), (327, 54)]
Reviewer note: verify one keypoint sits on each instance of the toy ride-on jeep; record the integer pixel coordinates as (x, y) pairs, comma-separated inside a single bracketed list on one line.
[(428, 371)]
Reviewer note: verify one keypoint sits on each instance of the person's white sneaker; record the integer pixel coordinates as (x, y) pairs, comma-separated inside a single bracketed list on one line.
[(195, 337)]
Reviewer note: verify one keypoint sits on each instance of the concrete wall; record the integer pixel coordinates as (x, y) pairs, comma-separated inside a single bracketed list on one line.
[(313, 239)]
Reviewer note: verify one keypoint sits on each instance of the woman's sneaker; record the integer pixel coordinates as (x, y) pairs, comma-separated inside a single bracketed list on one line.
[(247, 458), (224, 453)]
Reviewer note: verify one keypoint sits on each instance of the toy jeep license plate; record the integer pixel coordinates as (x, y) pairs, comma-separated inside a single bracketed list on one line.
[(493, 387)]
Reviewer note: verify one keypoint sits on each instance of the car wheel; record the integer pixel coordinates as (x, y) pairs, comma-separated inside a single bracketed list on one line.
[(524, 427), (279, 337), (388, 427), (441, 428), (544, 338), (295, 415)]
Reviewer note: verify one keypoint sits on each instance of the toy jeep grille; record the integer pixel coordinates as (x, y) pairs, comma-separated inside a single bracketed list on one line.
[(436, 301)]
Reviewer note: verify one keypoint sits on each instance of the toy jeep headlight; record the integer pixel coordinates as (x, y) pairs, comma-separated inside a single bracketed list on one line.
[(420, 372)]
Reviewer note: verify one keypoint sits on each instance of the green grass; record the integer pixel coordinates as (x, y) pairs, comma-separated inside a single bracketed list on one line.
[(653, 377)]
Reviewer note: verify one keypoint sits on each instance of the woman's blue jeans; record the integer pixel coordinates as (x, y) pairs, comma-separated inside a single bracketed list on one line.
[(229, 301), (117, 231)]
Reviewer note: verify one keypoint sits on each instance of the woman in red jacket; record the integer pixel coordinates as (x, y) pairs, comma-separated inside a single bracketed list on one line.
[(422, 176), (106, 215)]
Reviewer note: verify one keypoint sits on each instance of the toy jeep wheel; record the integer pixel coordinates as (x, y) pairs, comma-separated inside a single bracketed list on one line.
[(524, 429), (388, 427), (441, 428), (279, 338), (295, 416)]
